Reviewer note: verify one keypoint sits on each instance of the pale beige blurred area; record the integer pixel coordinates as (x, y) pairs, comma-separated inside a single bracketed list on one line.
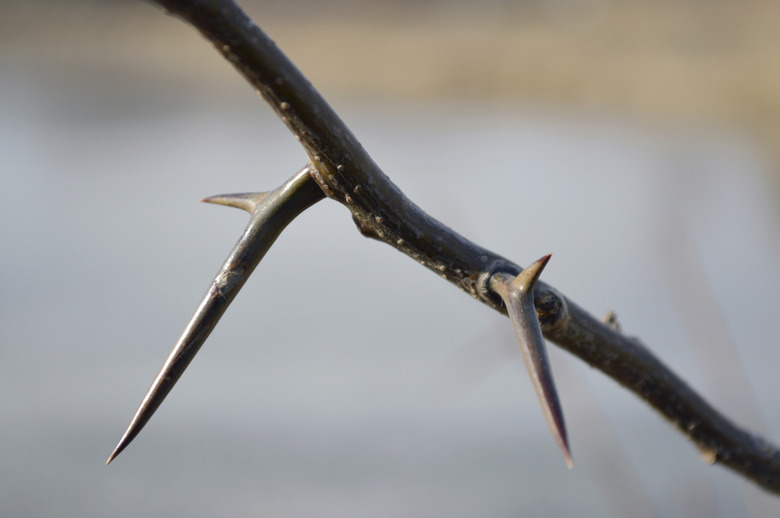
[(691, 62)]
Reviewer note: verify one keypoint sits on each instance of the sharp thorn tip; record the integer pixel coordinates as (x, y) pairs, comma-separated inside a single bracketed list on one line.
[(247, 201), (526, 280), (111, 457)]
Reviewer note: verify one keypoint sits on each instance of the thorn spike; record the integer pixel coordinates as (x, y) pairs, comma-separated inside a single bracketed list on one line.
[(517, 294), (526, 280), (270, 215), (247, 201)]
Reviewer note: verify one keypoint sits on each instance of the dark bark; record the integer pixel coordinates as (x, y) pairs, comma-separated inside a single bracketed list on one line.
[(347, 174)]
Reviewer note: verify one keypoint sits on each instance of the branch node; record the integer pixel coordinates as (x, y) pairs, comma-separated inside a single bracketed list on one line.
[(611, 319)]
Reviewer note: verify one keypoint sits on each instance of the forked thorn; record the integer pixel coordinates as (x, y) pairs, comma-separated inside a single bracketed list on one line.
[(518, 295), (270, 214)]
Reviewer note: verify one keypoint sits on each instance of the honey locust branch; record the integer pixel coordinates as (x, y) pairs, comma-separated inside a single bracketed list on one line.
[(346, 173)]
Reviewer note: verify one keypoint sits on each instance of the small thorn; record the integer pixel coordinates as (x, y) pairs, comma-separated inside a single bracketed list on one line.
[(518, 295), (247, 201), (611, 320), (526, 280)]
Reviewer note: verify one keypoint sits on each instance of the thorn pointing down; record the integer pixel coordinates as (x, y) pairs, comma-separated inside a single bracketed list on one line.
[(270, 215), (518, 295)]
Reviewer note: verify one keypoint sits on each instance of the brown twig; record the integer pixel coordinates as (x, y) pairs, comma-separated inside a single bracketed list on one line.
[(346, 173)]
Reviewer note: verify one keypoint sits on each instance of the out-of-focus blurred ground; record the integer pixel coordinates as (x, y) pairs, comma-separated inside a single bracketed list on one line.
[(669, 61)]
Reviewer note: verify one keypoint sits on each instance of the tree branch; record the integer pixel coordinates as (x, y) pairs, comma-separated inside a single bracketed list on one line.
[(347, 174)]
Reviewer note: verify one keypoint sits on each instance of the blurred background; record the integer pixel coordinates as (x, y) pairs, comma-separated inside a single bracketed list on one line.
[(637, 141)]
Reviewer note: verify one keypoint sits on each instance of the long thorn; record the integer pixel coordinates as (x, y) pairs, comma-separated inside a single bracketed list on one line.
[(518, 295), (271, 214)]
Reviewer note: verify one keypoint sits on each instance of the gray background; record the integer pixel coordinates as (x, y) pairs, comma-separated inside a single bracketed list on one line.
[(346, 380)]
